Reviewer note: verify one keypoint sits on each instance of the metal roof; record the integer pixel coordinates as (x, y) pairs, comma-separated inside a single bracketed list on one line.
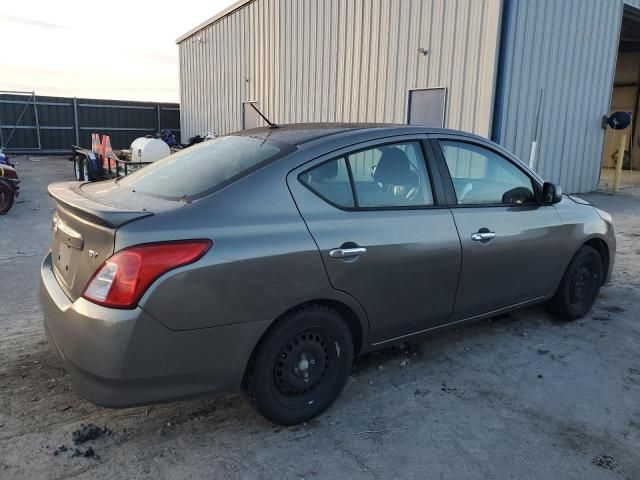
[(227, 11)]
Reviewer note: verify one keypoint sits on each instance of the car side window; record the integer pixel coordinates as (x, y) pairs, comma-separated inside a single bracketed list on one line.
[(391, 176), (481, 176), (330, 180)]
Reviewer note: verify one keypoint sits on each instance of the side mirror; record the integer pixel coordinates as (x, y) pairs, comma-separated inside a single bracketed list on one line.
[(551, 193)]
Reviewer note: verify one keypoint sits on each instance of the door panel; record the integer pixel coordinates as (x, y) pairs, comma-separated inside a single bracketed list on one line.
[(517, 265), (406, 279), (407, 274), (509, 241)]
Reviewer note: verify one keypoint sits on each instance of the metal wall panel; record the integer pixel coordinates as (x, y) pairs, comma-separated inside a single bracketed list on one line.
[(567, 49), (337, 60), (123, 121)]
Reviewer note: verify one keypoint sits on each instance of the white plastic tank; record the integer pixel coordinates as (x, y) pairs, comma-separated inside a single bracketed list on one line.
[(148, 149)]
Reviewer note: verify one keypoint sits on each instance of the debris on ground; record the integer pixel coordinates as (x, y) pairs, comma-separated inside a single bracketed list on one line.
[(384, 430), (88, 453), (607, 462), (59, 450), (88, 432)]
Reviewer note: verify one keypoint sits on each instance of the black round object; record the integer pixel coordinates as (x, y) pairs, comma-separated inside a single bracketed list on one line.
[(7, 196), (579, 286), (619, 120), (300, 366)]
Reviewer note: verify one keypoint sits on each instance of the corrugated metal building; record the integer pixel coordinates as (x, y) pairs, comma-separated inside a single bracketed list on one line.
[(510, 68)]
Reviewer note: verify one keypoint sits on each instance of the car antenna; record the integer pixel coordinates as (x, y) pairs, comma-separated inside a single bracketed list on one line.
[(271, 124)]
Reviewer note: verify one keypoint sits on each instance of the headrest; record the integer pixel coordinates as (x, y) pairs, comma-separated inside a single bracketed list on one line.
[(393, 168), (324, 172)]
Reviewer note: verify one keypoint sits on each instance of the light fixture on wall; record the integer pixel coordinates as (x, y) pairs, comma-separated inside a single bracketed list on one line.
[(423, 51)]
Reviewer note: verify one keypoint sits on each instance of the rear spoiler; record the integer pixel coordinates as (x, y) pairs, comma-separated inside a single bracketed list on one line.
[(68, 195)]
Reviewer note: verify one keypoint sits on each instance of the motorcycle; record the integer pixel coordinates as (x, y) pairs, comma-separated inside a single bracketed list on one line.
[(9, 184)]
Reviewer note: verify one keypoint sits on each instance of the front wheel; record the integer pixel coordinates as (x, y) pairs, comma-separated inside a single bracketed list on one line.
[(7, 196), (301, 365), (579, 286)]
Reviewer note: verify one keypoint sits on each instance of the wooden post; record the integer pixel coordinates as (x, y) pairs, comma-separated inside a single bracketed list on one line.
[(619, 161)]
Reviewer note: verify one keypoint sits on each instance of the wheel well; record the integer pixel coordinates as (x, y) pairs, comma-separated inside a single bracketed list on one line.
[(345, 312), (349, 316), (602, 248)]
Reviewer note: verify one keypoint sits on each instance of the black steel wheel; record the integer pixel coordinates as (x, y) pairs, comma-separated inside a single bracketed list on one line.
[(300, 366), (7, 196), (579, 286)]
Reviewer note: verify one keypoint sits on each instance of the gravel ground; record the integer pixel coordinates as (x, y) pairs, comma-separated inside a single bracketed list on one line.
[(522, 396)]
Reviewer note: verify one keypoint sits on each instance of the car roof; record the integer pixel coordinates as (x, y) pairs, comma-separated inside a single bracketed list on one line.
[(301, 133)]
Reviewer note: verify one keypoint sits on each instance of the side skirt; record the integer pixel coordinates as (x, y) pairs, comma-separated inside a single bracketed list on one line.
[(464, 321)]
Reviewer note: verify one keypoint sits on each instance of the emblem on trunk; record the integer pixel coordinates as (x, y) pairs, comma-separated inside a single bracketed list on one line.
[(93, 254)]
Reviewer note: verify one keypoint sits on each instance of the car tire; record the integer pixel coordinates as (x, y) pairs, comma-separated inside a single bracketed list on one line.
[(78, 169), (300, 366), (7, 196), (579, 286), (86, 172)]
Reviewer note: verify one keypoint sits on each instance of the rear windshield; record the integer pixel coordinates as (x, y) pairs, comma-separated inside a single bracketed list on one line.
[(203, 168)]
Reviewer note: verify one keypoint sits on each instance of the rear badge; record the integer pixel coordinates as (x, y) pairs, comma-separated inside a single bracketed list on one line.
[(93, 254)]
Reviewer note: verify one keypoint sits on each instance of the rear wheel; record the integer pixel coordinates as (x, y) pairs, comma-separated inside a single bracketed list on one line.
[(579, 286), (7, 196), (301, 365)]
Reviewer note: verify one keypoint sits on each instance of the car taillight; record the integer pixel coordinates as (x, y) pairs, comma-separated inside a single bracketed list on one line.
[(123, 278)]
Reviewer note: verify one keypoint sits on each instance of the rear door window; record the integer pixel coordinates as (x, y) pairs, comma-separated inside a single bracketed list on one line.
[(386, 176), (391, 176), (330, 180), (203, 168)]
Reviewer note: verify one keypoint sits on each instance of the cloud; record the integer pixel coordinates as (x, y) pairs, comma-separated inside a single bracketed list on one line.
[(31, 22)]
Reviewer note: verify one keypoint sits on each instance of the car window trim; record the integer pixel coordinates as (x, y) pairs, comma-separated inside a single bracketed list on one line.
[(447, 179), (438, 197)]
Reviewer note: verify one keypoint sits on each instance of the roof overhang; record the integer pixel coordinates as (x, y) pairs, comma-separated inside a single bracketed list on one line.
[(227, 11)]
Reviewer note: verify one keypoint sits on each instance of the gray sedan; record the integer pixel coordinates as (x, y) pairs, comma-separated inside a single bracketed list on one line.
[(268, 258)]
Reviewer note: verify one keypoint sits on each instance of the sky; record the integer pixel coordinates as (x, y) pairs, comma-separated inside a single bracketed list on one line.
[(120, 49)]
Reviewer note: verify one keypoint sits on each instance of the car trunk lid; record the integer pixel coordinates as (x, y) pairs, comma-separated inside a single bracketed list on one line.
[(84, 227)]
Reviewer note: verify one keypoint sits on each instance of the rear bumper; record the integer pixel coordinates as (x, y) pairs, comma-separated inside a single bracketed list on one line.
[(121, 358)]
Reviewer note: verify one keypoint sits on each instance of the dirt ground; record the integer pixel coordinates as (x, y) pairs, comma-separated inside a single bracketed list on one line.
[(521, 397)]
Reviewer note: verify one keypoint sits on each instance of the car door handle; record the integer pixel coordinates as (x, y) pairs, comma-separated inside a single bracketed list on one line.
[(483, 236), (347, 252)]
